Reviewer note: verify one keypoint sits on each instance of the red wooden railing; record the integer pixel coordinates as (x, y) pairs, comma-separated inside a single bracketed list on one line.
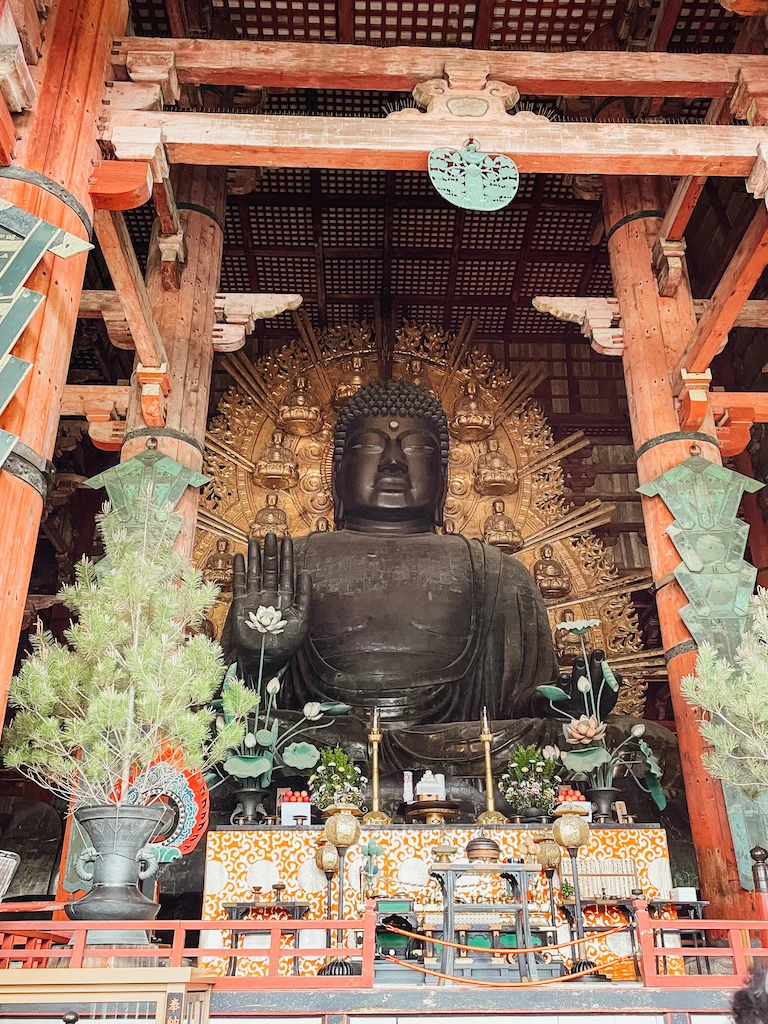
[(67, 940), (744, 944)]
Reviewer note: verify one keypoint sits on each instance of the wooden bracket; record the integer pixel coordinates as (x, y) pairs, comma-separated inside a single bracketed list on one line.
[(155, 385), (133, 96), (467, 93), (147, 144), (599, 319), (757, 182), (236, 315), (156, 68), (16, 85), (750, 97), (120, 184), (105, 408), (694, 399), (668, 264)]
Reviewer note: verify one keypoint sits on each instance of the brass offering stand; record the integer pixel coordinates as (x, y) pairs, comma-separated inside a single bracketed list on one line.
[(432, 812), (490, 815), (375, 816)]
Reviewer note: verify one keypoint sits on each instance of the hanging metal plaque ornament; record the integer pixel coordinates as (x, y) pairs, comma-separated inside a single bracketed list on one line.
[(473, 180)]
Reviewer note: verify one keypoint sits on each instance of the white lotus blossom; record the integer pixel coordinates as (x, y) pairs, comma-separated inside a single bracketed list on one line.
[(584, 685), (250, 740), (273, 686), (266, 620), (312, 711), (638, 730)]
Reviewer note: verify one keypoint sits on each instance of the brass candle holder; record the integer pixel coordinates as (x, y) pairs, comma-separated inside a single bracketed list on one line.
[(375, 816), (490, 815)]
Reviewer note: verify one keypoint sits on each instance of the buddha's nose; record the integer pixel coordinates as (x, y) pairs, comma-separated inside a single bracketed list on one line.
[(393, 460)]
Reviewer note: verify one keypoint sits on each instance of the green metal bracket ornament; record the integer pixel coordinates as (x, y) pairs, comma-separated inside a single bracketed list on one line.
[(24, 240), (704, 498), (131, 480), (473, 180)]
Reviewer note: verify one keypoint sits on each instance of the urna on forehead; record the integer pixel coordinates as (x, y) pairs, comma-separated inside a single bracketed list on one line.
[(395, 398)]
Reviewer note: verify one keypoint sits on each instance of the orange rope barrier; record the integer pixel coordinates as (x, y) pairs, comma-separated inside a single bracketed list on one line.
[(505, 984), (506, 952)]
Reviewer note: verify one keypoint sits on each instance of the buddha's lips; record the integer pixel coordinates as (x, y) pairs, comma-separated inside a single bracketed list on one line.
[(392, 484)]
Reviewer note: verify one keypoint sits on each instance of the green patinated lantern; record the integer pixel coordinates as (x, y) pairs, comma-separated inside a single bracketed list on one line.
[(473, 180), (131, 480)]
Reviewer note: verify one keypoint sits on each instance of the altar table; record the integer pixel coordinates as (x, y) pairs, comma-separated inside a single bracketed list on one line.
[(241, 859)]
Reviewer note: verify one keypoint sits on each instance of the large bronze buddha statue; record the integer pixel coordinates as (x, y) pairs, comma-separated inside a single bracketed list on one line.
[(386, 612)]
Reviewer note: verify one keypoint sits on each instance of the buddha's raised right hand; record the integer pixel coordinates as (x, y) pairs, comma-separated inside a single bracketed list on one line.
[(268, 583)]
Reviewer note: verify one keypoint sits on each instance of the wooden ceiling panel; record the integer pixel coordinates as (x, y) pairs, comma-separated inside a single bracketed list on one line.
[(352, 226), (504, 229), (705, 25), (485, 277), (285, 274), (281, 226), (410, 276), (423, 229), (415, 22), (547, 23), (563, 229), (353, 276), (309, 21)]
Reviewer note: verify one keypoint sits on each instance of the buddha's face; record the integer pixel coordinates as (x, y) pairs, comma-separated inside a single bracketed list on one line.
[(390, 472)]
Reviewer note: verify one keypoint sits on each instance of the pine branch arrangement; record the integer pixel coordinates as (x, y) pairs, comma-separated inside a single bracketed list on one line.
[(734, 699), (133, 680)]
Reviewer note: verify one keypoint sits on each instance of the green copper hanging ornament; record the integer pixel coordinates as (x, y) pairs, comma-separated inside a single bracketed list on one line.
[(127, 482), (473, 180)]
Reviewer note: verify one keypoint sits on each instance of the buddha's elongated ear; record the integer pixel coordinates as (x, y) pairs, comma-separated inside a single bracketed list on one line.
[(440, 507), (338, 504)]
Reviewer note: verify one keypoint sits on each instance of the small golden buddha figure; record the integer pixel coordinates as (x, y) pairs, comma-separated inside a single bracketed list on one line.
[(493, 472), (449, 527), (351, 380), (322, 525), (300, 413), (218, 565), (276, 467), (471, 419), (270, 519), (415, 372), (551, 576), (567, 644), (500, 530)]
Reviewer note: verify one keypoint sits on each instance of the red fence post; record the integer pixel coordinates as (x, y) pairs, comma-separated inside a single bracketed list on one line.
[(178, 944), (274, 949), (645, 941), (369, 944), (78, 947)]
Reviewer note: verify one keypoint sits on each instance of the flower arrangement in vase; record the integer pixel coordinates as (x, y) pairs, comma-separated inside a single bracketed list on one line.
[(585, 735), (530, 782), (264, 745), (337, 781)]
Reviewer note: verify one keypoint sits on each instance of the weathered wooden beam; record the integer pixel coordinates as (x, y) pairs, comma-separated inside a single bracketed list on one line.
[(396, 68), (398, 144), (152, 372), (679, 211), (78, 399), (736, 284)]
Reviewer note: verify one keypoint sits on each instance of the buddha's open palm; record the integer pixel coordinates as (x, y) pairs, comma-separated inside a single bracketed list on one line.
[(268, 583)]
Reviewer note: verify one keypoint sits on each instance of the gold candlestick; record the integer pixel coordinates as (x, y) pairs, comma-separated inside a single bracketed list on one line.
[(490, 815), (375, 816)]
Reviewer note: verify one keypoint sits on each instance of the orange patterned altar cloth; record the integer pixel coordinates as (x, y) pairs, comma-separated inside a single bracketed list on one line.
[(614, 861)]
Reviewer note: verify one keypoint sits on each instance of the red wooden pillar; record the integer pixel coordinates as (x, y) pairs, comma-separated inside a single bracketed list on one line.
[(185, 319), (59, 141), (653, 327)]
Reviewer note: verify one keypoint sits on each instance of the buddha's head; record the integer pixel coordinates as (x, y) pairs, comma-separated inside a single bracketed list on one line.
[(390, 459), (222, 545), (546, 552)]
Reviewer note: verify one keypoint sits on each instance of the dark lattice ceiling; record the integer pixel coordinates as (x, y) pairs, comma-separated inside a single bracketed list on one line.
[(505, 24)]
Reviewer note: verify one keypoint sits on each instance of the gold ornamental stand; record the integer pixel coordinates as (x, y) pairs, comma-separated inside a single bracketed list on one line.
[(490, 815), (375, 816)]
